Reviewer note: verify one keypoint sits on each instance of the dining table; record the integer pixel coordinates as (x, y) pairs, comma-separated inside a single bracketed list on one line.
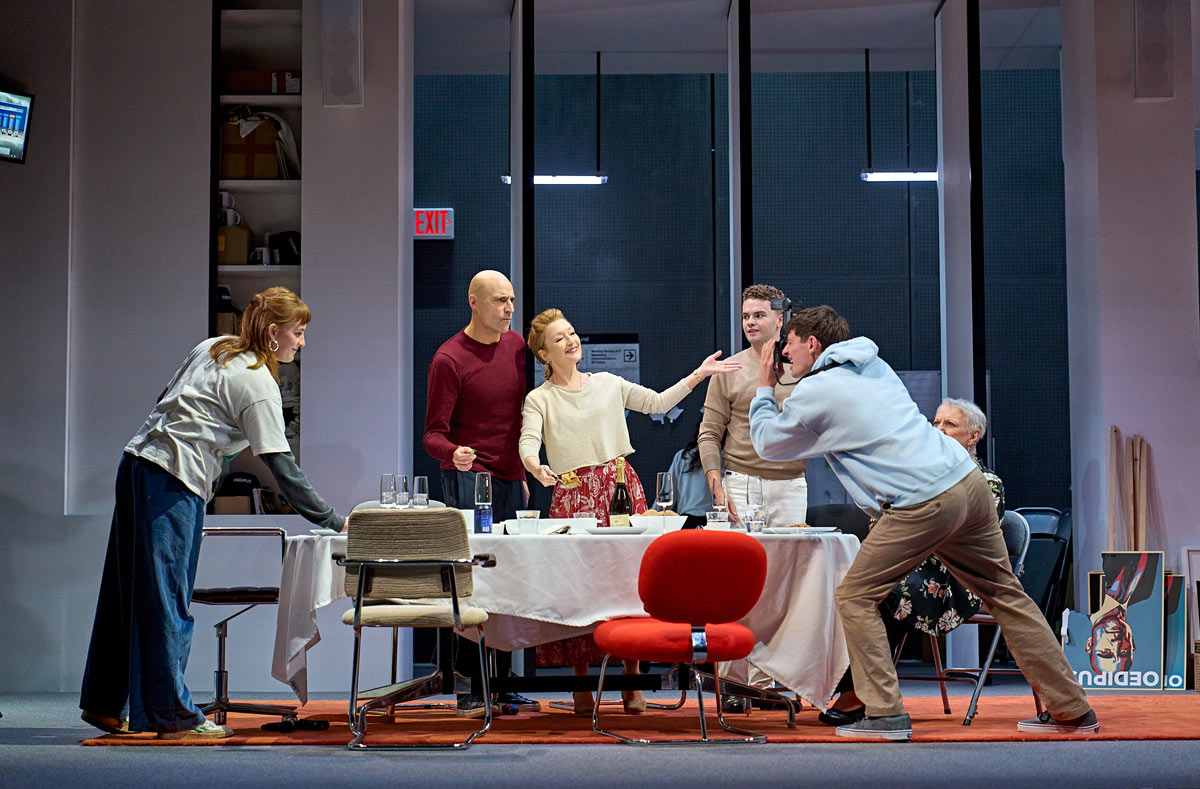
[(548, 587)]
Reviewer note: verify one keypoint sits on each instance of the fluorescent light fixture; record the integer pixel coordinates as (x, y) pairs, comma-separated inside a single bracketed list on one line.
[(564, 180), (876, 175)]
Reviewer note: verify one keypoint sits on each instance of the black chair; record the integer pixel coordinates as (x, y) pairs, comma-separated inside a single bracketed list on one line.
[(1041, 520), (248, 597), (847, 517)]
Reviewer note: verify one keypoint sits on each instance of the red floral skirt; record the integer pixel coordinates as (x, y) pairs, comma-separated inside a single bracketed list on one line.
[(595, 491), (596, 486)]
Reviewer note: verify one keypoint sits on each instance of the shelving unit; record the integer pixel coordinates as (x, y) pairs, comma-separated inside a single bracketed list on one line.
[(263, 35)]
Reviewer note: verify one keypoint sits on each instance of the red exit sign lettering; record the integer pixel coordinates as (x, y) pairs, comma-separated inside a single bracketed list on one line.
[(433, 223)]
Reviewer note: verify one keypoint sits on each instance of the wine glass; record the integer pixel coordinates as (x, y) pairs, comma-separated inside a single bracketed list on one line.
[(664, 491), (754, 516)]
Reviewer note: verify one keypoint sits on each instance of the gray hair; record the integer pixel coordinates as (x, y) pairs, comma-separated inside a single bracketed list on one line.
[(974, 416)]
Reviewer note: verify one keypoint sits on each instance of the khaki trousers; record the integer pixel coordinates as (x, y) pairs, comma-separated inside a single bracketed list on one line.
[(960, 526)]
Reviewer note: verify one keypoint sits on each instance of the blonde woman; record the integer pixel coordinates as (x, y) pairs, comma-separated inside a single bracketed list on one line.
[(223, 399), (580, 418)]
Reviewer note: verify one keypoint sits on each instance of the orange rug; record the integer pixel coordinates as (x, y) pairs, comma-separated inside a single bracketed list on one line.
[(1161, 716)]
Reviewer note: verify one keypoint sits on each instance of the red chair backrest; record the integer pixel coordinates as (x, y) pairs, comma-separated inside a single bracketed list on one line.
[(702, 577)]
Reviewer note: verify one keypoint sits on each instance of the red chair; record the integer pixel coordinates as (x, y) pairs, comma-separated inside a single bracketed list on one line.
[(695, 585)]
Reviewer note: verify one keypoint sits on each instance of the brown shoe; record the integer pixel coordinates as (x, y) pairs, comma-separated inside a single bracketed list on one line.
[(633, 702), (584, 703), (107, 724)]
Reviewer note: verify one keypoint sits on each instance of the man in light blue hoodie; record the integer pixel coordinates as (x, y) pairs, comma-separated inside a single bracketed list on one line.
[(928, 496)]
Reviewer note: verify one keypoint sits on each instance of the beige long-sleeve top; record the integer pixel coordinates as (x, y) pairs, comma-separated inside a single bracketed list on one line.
[(587, 427), (727, 416)]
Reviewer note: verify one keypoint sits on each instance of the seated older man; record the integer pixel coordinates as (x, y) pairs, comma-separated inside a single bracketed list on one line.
[(929, 599)]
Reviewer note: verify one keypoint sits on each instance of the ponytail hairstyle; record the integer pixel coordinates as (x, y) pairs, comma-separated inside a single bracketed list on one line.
[(274, 305), (537, 333)]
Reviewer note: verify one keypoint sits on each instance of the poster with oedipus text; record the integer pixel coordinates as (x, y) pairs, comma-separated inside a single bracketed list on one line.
[(1120, 646)]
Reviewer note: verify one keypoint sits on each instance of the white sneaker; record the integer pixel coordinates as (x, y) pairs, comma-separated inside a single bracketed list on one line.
[(206, 731)]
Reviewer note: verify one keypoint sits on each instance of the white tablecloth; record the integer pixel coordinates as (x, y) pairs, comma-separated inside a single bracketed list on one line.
[(544, 588)]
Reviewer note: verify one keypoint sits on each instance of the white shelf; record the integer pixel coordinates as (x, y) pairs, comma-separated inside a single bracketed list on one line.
[(256, 19), (261, 186), (261, 99), (261, 271)]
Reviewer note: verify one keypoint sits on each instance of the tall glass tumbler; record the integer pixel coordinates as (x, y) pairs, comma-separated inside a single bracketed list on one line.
[(420, 496), (483, 503), (387, 490)]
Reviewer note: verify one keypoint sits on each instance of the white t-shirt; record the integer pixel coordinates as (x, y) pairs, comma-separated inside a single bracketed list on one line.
[(208, 413)]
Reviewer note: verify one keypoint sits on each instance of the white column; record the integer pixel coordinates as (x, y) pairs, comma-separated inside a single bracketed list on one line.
[(737, 62), (954, 233), (520, 192), (954, 201), (1132, 315)]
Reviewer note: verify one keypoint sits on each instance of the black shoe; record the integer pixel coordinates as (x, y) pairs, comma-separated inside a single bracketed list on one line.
[(518, 701), (736, 705), (833, 717), (473, 707)]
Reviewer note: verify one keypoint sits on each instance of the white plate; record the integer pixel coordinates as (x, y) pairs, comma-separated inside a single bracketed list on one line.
[(800, 529), (324, 532), (608, 530)]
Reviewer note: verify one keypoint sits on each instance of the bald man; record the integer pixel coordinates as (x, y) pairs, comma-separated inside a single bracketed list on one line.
[(472, 423)]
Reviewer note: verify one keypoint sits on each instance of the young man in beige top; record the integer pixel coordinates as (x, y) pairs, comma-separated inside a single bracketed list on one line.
[(727, 420), (729, 474)]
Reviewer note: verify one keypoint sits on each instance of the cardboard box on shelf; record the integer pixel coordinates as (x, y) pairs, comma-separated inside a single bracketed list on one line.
[(232, 505), (263, 81), (251, 157), (229, 323), (233, 245)]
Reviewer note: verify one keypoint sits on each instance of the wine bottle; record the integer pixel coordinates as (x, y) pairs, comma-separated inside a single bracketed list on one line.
[(621, 506)]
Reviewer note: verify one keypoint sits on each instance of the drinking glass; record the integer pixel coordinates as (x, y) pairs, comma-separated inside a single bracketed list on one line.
[(401, 490), (387, 490), (483, 488), (420, 496), (717, 519), (664, 492), (754, 494)]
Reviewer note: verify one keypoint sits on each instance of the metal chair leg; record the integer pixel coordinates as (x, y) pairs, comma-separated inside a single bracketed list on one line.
[(983, 675), (748, 736)]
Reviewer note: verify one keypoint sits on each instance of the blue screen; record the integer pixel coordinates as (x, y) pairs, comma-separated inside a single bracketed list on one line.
[(14, 124)]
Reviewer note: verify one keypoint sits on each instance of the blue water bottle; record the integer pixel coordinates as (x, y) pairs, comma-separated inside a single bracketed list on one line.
[(483, 503)]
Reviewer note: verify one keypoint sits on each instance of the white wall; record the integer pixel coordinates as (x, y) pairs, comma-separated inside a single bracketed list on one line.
[(105, 266), (1133, 322)]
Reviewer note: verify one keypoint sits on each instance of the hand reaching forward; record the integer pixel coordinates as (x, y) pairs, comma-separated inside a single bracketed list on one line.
[(711, 366)]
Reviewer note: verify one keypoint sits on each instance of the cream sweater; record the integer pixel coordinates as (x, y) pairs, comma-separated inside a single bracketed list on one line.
[(587, 427), (727, 419)]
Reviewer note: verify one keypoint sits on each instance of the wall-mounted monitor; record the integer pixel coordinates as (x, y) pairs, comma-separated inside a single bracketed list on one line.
[(14, 126)]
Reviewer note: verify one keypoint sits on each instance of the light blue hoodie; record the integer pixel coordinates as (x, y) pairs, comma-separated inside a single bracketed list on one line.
[(861, 418)]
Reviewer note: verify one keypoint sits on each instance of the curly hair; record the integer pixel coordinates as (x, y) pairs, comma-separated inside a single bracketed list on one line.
[(764, 292), (274, 305)]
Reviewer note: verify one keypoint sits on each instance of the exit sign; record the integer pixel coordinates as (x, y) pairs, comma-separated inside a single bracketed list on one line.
[(433, 223)]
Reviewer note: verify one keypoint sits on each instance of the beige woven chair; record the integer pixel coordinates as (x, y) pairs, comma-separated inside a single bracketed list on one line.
[(408, 568)]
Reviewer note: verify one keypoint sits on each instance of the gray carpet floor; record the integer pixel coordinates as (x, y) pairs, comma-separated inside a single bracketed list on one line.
[(40, 734)]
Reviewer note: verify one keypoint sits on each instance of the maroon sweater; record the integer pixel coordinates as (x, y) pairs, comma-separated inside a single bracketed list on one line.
[(474, 395)]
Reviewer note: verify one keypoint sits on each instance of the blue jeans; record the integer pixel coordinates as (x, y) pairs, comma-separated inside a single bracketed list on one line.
[(142, 633), (458, 488)]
